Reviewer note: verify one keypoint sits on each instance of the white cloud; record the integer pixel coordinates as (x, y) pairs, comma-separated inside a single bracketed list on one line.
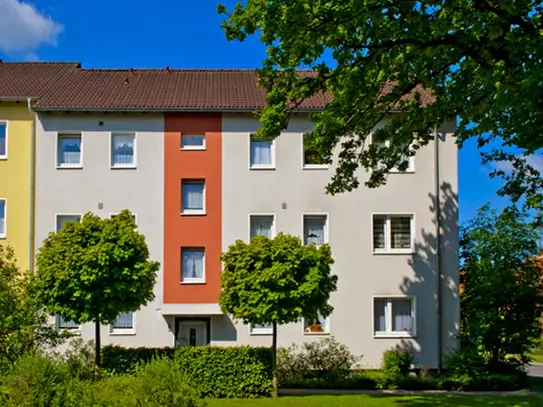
[(23, 29), (535, 160)]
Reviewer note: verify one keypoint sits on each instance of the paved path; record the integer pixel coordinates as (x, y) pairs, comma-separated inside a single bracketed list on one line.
[(536, 370), (299, 392)]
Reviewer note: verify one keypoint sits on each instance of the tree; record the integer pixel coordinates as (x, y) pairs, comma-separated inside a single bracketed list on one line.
[(23, 325), (502, 298), (94, 270), (276, 281), (480, 61)]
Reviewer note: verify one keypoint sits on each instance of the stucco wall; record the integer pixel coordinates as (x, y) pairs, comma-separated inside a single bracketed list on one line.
[(69, 191), (15, 179), (361, 273)]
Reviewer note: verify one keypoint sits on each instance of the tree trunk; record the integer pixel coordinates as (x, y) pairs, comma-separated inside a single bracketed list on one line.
[(274, 361), (98, 359)]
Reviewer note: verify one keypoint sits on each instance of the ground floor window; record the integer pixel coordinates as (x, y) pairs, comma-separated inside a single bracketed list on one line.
[(394, 316)]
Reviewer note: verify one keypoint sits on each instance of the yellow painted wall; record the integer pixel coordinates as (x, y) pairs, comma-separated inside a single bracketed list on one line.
[(15, 179)]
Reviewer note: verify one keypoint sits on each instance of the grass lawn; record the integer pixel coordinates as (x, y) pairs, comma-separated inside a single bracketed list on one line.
[(383, 401), (537, 354)]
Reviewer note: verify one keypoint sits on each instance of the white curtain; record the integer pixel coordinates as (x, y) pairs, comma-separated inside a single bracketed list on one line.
[(379, 232), (70, 150), (124, 321), (402, 320), (123, 149), (401, 232), (2, 217), (380, 315), (62, 219), (193, 196), (193, 264), (261, 226), (314, 230), (261, 152), (66, 324)]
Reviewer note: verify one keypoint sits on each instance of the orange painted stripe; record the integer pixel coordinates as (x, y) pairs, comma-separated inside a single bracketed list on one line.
[(185, 230)]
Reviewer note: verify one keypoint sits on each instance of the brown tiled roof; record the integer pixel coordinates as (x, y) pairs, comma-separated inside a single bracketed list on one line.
[(68, 87)]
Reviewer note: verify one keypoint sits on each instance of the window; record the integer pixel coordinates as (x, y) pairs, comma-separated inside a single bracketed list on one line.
[(312, 159), (262, 153), (69, 150), (393, 233), (317, 326), (405, 158), (123, 150), (193, 197), (261, 225), (261, 329), (3, 217), (124, 324), (315, 229), (394, 316), (3, 140), (62, 219), (193, 142), (193, 265), (62, 324)]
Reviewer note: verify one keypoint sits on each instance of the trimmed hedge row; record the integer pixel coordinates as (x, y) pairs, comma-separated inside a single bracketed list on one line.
[(218, 372)]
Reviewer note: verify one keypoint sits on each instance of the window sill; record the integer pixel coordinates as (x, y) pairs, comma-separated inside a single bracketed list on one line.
[(193, 282), (315, 167), (72, 332), (193, 148), (123, 167), (393, 251), (402, 335), (264, 333), (193, 213), (263, 167), (401, 172), (3, 157), (316, 333), (4, 236), (128, 332), (70, 167)]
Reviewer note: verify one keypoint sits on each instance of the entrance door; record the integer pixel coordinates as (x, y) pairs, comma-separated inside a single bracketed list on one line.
[(191, 333)]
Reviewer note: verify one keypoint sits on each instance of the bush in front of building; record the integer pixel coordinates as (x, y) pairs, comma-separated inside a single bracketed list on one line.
[(217, 371)]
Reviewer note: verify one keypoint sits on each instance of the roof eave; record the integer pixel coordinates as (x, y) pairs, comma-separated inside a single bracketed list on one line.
[(161, 109)]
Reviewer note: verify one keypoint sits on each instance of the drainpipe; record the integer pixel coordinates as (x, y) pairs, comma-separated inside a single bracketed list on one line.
[(438, 249), (32, 184)]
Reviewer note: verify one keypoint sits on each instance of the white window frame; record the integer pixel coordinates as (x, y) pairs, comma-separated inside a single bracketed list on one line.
[(267, 214), (194, 211), (5, 233), (262, 166), (124, 331), (114, 166), (411, 161), (65, 214), (327, 332), (326, 217), (59, 136), (193, 280), (73, 331), (310, 166), (260, 331), (389, 333), (193, 148), (5, 156), (388, 249)]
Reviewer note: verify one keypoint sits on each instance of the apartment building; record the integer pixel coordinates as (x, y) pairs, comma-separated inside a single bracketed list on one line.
[(175, 147)]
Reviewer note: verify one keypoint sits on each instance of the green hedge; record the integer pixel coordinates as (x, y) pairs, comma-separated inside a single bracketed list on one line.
[(237, 371), (117, 359)]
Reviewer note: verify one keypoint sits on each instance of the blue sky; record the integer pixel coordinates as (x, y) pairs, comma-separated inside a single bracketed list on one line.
[(160, 33)]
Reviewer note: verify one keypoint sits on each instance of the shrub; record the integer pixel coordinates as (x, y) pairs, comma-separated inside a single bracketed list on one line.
[(397, 362), (80, 359), (237, 371), (465, 361), (117, 359), (36, 380), (323, 359)]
